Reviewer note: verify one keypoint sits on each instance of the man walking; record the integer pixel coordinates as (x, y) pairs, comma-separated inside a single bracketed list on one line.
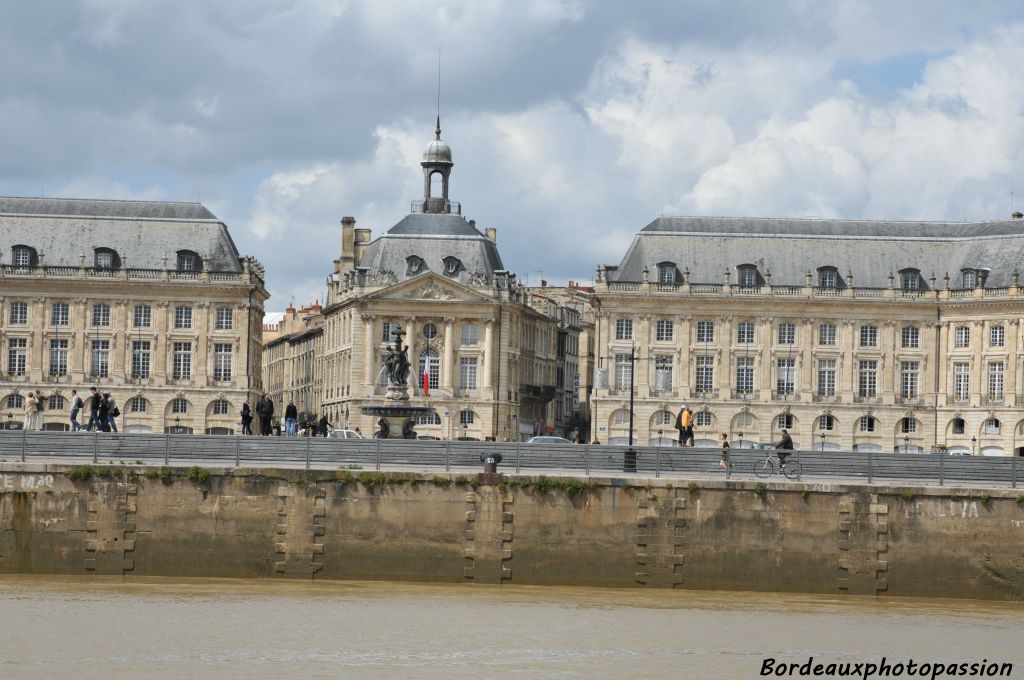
[(265, 410), (76, 406), (684, 423), (290, 415), (94, 409)]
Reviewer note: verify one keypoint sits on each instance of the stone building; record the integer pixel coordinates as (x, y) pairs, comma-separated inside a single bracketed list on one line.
[(292, 348), (488, 350), (147, 300), (851, 334)]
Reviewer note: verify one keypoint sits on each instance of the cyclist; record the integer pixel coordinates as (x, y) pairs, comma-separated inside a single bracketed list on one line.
[(784, 444)]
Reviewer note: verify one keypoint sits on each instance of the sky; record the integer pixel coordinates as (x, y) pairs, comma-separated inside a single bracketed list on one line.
[(573, 124)]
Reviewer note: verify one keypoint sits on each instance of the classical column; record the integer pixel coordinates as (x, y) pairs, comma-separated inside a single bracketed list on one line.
[(643, 366), (413, 338), (121, 325), (489, 350), (161, 346), (448, 364), (723, 340), (1011, 342), (682, 382), (368, 365), (765, 373), (888, 367)]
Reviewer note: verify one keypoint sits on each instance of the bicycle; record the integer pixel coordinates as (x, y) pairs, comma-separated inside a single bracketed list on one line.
[(766, 468)]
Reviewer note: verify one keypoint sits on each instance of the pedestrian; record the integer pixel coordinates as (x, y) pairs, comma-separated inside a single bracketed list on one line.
[(358, 432), (32, 416), (76, 406), (684, 423), (324, 426), (40, 407), (265, 411), (246, 418), (103, 413), (112, 412), (724, 463), (94, 409), (290, 415)]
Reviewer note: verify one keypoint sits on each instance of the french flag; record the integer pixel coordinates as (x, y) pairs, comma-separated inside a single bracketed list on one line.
[(426, 378)]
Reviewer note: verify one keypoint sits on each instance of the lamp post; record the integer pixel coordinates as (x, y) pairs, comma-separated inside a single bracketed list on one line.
[(741, 440), (974, 441), (659, 436), (906, 443), (822, 433), (515, 428), (177, 424), (465, 431)]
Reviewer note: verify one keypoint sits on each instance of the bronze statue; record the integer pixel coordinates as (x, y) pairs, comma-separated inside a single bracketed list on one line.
[(409, 429), (384, 431), (397, 362)]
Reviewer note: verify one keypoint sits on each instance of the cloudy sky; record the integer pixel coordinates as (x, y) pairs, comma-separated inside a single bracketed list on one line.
[(573, 123)]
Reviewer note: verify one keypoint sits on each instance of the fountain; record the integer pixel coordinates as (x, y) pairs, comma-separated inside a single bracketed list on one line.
[(396, 416)]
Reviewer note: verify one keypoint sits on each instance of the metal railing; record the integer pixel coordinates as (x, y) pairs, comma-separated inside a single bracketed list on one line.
[(120, 449)]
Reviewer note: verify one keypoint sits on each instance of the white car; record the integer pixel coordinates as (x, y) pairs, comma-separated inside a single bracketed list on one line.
[(344, 434), (548, 439)]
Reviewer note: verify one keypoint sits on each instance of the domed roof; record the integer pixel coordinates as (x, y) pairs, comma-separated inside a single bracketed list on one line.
[(437, 151)]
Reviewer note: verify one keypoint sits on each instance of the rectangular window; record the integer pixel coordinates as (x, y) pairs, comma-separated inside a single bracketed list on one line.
[(827, 334), (664, 330), (744, 333), (22, 257), (787, 333), (17, 354), (828, 278), (101, 314), (623, 371), (19, 312), (386, 328), (623, 329), (910, 280), (785, 374), (962, 336), (910, 337), (867, 424), (909, 378), (666, 274), (183, 317), (826, 377), (225, 319), (995, 380), (867, 383), (705, 331), (705, 374), (744, 375), (60, 314), (470, 334), (58, 358), (100, 358), (961, 380), (869, 336), (142, 316), (222, 361), (431, 361), (467, 373), (181, 367), (996, 336), (663, 372), (140, 358), (827, 423)]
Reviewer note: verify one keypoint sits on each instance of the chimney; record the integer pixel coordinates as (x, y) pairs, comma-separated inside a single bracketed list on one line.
[(492, 234), (1017, 215), (347, 260), (362, 240), (472, 223)]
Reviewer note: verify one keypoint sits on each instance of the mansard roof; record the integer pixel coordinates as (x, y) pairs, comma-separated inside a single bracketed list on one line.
[(432, 238), (789, 248), (145, 234)]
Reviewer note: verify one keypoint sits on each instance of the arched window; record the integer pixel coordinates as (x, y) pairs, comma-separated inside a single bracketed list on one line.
[(179, 405), (452, 265), (55, 403), (220, 407), (743, 421), (703, 419), (910, 279), (958, 426), (747, 275), (137, 405), (664, 418), (436, 185), (620, 417), (992, 426), (784, 421), (667, 272), (969, 278), (106, 258), (189, 261), (414, 265), (827, 423), (15, 401), (24, 256), (431, 361), (908, 425)]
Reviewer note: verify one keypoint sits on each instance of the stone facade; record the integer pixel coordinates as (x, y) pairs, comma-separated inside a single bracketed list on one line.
[(893, 363), (149, 301)]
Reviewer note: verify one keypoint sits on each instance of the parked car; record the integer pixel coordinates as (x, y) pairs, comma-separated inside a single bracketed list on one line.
[(548, 439), (428, 437), (344, 434)]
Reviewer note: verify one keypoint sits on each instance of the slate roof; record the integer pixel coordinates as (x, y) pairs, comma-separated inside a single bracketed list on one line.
[(432, 237), (708, 246), (142, 232)]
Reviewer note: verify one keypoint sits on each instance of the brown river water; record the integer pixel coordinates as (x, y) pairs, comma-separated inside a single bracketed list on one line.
[(203, 628)]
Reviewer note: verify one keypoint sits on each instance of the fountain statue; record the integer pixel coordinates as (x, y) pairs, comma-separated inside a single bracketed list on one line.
[(396, 401)]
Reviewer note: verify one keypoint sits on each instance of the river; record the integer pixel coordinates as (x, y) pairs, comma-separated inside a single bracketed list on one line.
[(203, 628)]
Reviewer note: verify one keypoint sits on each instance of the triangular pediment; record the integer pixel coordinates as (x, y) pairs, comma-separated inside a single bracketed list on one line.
[(429, 287)]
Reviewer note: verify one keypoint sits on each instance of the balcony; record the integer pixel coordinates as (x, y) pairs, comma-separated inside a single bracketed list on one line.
[(787, 395), (867, 399), (436, 205), (709, 394), (825, 397), (909, 401)]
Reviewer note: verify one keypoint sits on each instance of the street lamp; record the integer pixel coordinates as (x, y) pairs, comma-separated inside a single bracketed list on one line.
[(974, 441), (465, 431), (741, 440), (906, 443), (659, 437), (822, 439), (177, 424)]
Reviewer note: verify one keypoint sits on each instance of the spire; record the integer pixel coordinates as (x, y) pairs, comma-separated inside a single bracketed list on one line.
[(437, 130)]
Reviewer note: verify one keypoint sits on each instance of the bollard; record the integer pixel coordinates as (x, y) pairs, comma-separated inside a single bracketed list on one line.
[(307, 453), (238, 455), (490, 461), (942, 457), (869, 466), (167, 450)]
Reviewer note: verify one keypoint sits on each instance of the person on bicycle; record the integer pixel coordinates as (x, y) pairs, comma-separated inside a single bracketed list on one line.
[(784, 444)]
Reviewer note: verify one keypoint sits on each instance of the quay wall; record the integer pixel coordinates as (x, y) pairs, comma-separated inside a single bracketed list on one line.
[(729, 535)]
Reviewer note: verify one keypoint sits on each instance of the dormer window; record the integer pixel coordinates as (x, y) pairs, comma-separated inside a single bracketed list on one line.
[(747, 275), (910, 279), (667, 272), (106, 258), (828, 277), (189, 261), (452, 265), (414, 265), (23, 256)]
